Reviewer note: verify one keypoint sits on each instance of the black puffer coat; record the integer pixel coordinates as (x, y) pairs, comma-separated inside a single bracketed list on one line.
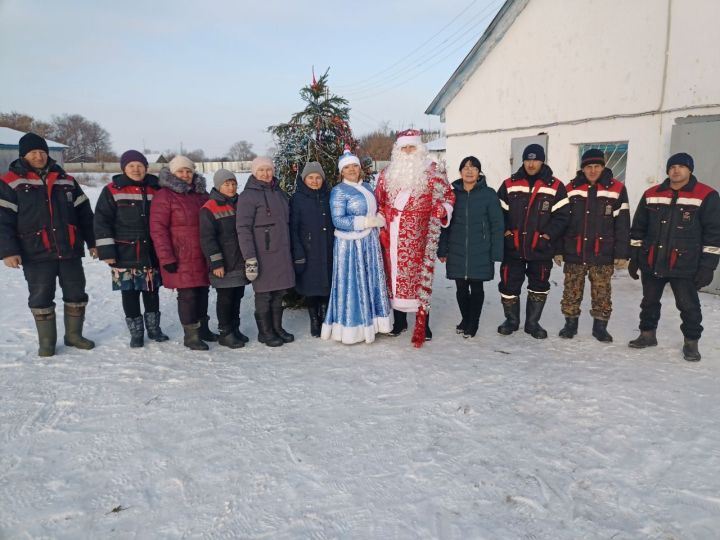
[(312, 234)]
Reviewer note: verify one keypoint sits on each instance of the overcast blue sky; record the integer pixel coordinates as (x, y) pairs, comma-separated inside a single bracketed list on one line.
[(206, 74)]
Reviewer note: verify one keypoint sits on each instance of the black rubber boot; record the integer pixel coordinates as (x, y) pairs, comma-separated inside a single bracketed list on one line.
[(533, 311), (400, 324), (192, 338), (74, 316), (472, 325), (690, 350), (228, 338), (266, 334), (600, 332), (511, 307), (47, 331), (570, 329), (428, 332), (152, 324), (205, 333), (322, 312), (315, 322), (277, 314), (236, 330), (137, 331), (646, 338)]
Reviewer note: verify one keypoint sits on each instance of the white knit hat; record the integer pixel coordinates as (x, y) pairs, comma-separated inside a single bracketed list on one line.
[(347, 158), (180, 162)]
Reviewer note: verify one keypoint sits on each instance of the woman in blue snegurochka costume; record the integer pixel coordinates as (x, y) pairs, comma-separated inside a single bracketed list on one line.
[(359, 305)]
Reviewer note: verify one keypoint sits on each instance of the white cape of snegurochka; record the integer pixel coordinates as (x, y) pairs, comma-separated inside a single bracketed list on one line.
[(493, 437)]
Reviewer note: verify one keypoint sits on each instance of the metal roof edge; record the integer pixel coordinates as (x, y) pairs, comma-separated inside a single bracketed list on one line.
[(493, 34)]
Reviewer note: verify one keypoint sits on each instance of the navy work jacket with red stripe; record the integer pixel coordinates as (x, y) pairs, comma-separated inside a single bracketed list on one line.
[(218, 235), (122, 222), (599, 228), (43, 217), (531, 213), (675, 232)]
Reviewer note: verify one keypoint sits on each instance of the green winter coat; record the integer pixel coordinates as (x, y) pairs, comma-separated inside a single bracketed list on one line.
[(474, 239)]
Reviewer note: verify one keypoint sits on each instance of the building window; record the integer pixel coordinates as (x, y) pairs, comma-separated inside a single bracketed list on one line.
[(615, 156)]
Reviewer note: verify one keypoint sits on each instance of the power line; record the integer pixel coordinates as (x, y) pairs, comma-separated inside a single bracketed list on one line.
[(416, 49), (423, 62)]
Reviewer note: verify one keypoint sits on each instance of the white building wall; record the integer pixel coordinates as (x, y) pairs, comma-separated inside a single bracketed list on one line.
[(563, 62)]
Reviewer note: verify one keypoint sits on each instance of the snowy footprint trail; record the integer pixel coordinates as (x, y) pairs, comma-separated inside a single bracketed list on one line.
[(493, 437)]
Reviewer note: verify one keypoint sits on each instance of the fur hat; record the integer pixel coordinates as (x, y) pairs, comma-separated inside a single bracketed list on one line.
[(31, 141), (261, 161), (680, 159), (534, 152), (180, 162), (130, 156), (222, 176), (313, 167)]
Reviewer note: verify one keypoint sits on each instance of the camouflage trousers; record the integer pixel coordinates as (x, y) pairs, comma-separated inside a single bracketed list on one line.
[(600, 290)]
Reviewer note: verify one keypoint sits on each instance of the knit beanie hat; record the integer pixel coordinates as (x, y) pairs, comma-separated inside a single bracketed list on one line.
[(475, 162), (313, 167), (180, 162), (680, 159), (222, 176), (31, 141), (594, 156), (534, 152), (130, 156), (260, 161)]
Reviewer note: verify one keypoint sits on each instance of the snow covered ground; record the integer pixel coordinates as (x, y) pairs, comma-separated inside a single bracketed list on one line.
[(493, 437)]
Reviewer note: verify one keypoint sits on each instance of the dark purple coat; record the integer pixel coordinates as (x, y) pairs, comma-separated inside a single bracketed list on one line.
[(175, 230)]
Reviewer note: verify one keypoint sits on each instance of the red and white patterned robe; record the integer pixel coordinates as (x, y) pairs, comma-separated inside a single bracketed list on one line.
[(405, 236)]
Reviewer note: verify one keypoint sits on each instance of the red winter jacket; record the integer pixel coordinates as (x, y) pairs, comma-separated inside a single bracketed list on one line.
[(175, 230)]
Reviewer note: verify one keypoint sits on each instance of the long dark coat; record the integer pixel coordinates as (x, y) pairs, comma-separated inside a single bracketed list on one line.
[(175, 230), (263, 229), (474, 239), (311, 231)]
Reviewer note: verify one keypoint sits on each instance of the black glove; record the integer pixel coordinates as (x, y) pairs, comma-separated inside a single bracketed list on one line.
[(633, 269), (299, 266), (703, 277), (171, 267)]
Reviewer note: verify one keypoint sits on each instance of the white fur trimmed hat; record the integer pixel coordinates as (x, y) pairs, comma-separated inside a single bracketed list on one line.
[(347, 158), (409, 137)]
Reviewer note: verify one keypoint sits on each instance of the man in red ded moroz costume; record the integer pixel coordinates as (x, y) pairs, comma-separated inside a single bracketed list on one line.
[(416, 200)]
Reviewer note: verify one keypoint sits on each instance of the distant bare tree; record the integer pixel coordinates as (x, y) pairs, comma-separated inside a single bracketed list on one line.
[(86, 140), (241, 151), (25, 123), (196, 155)]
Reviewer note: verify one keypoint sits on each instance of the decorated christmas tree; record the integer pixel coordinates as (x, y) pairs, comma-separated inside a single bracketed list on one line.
[(319, 132)]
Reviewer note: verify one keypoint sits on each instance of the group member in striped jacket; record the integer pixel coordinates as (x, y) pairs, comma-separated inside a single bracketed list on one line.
[(45, 218), (595, 242), (219, 244), (534, 203), (122, 233), (675, 239)]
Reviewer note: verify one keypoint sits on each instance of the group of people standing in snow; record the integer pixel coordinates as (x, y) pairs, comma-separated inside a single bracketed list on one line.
[(362, 257)]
